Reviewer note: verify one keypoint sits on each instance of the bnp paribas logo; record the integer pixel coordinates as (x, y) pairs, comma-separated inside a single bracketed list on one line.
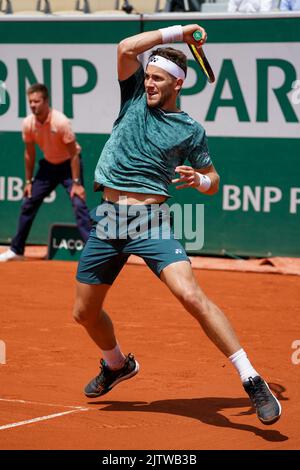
[(2, 93), (2, 352)]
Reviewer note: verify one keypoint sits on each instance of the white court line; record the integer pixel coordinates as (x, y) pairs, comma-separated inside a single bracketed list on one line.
[(13, 400), (74, 409), (41, 418)]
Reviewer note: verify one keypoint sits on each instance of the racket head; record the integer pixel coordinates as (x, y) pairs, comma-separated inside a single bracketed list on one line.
[(201, 59)]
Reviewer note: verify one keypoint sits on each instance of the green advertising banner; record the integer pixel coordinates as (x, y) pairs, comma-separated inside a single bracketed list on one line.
[(65, 242), (251, 115)]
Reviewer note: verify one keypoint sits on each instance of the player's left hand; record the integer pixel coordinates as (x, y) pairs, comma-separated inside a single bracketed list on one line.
[(78, 190), (188, 176)]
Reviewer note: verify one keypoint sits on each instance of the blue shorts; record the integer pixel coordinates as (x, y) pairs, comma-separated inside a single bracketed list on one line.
[(120, 231)]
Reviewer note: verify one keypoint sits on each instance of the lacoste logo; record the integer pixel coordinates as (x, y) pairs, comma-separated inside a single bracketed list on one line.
[(68, 244)]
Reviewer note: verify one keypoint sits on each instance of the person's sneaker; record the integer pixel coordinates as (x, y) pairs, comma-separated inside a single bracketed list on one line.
[(267, 406), (107, 379), (10, 255)]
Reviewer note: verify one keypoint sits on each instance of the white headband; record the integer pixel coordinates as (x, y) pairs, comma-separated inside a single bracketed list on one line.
[(167, 65)]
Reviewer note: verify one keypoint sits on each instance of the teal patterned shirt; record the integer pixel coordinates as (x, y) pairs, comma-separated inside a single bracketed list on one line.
[(147, 144)]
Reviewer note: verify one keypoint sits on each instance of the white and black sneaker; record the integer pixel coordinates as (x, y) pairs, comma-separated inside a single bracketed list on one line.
[(267, 406), (107, 379)]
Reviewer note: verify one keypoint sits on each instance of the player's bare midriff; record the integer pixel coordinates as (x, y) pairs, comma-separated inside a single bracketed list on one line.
[(126, 197)]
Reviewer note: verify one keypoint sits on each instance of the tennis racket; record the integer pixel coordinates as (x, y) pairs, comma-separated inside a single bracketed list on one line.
[(201, 58)]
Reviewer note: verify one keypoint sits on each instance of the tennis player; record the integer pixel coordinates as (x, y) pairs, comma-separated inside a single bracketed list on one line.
[(150, 141)]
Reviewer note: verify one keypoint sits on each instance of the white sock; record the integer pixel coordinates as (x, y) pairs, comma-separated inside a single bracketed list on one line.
[(242, 364), (114, 358)]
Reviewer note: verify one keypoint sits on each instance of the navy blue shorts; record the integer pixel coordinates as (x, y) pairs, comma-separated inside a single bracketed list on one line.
[(119, 231)]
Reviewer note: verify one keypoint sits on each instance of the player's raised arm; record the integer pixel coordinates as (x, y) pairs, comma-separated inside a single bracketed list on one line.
[(130, 48)]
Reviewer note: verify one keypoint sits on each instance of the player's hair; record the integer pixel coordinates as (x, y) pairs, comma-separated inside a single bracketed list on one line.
[(39, 88), (176, 56)]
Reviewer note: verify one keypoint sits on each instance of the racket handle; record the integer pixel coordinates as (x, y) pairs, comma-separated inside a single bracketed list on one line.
[(197, 35)]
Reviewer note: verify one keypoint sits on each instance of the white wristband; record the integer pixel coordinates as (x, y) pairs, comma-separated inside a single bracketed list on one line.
[(204, 182), (171, 34)]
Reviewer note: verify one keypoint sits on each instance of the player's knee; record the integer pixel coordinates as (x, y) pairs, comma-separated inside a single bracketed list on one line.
[(188, 297), (80, 314), (193, 301)]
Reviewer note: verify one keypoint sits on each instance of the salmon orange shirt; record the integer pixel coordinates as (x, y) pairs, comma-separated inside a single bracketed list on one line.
[(51, 136)]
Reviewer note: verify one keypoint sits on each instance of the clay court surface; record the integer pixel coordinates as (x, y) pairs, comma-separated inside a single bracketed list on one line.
[(186, 395)]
